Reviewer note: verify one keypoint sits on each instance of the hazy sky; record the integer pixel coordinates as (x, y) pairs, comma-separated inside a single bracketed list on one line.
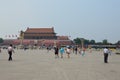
[(89, 19)]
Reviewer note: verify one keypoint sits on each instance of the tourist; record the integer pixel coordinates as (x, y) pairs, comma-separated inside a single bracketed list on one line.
[(10, 50), (47, 49), (62, 51), (76, 49), (83, 52), (106, 52), (56, 52), (68, 52), (79, 50)]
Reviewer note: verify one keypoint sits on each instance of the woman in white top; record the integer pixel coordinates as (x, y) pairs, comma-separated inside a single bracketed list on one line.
[(68, 52)]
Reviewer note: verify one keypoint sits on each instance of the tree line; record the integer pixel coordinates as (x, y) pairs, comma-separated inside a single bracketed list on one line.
[(78, 41)]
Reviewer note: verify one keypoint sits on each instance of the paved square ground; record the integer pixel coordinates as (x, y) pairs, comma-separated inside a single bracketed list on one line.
[(42, 65)]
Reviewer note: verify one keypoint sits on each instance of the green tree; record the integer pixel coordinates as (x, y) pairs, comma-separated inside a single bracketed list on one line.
[(105, 42), (92, 42), (1, 40), (86, 42), (77, 41)]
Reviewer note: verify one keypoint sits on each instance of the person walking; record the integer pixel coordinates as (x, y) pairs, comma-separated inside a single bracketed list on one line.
[(76, 49), (106, 52), (62, 51), (79, 50), (56, 52), (83, 52), (10, 50), (68, 52)]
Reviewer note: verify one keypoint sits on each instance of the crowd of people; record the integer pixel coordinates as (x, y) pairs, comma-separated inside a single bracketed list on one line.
[(62, 50), (68, 50)]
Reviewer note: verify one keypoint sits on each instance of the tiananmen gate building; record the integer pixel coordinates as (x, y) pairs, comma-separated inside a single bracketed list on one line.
[(40, 33), (39, 36)]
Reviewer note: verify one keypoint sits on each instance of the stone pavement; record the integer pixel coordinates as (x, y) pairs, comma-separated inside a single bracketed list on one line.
[(40, 65)]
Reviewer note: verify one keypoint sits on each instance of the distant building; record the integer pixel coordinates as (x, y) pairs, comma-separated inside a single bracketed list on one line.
[(62, 38), (40, 33), (40, 37)]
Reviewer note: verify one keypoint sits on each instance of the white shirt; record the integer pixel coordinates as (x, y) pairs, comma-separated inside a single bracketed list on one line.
[(10, 48), (106, 51), (68, 50)]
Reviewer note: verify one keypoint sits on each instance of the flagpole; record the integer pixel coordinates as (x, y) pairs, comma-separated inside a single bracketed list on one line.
[(21, 38)]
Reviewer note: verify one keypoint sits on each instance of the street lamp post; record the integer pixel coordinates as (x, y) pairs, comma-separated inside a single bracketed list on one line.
[(82, 43)]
